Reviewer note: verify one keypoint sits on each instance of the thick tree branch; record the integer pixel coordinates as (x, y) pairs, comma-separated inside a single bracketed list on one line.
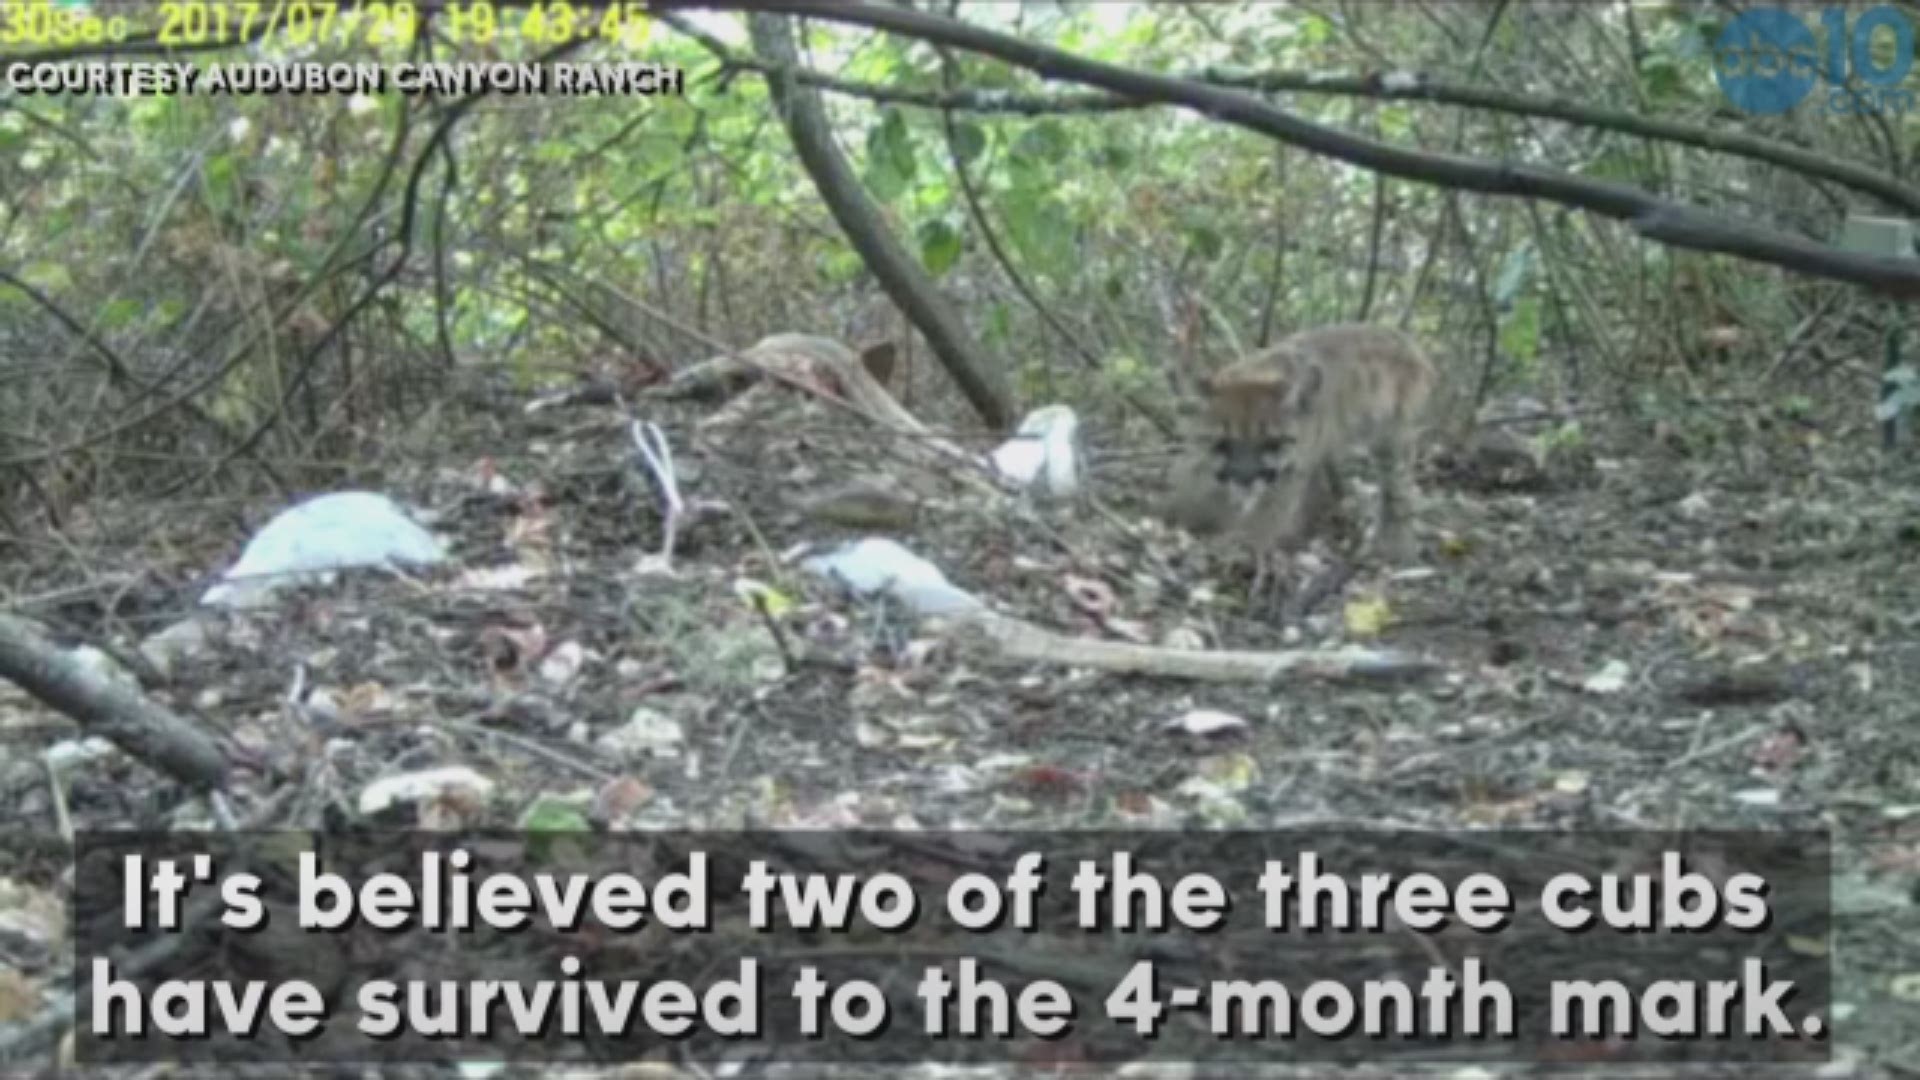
[(899, 272), (1402, 85), (1652, 217), (105, 708), (1416, 86)]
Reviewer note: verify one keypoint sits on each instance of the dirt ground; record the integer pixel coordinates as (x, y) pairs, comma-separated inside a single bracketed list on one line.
[(1666, 637)]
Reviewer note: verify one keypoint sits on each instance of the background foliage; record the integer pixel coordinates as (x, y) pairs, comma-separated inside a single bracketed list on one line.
[(204, 293)]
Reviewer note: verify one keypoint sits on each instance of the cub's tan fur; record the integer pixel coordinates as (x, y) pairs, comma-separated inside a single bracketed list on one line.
[(1274, 425), (1196, 501)]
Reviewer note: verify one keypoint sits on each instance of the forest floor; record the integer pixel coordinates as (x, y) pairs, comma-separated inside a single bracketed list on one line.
[(1673, 640)]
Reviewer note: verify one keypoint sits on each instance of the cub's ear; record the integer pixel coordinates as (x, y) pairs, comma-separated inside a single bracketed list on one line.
[(1306, 389)]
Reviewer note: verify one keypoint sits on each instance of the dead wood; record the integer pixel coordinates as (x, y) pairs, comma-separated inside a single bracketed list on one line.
[(975, 372), (116, 713), (829, 370), (997, 639)]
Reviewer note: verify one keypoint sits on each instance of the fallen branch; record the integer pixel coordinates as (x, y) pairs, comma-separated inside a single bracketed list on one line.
[(998, 639), (874, 567), (831, 372), (116, 713), (723, 376)]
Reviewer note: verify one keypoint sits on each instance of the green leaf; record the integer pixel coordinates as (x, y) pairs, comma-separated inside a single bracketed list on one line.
[(219, 176), (939, 246), (1663, 79), (1564, 436), (550, 814), (120, 313), (48, 277), (969, 141), (890, 141), (1520, 333), (884, 181), (1512, 274), (890, 157), (556, 827), (843, 266), (1612, 163), (999, 321), (1039, 227), (1396, 120), (1206, 241), (1046, 141), (762, 597), (1114, 155)]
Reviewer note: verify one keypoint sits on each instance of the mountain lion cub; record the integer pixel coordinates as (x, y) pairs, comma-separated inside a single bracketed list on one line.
[(1274, 425)]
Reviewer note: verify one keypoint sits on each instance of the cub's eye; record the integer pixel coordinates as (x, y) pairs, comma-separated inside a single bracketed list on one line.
[(1223, 446), (1273, 444)]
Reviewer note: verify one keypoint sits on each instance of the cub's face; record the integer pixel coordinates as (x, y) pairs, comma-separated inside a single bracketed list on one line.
[(1257, 413), (1252, 459)]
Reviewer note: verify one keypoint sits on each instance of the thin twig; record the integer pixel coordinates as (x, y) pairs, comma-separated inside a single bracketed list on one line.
[(787, 658)]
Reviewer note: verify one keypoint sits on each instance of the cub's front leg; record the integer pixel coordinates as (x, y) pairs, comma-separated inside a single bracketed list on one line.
[(1279, 523), (1393, 539)]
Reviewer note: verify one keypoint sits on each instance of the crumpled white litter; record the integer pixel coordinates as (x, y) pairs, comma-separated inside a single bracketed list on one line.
[(328, 532), (1042, 456), (878, 565)]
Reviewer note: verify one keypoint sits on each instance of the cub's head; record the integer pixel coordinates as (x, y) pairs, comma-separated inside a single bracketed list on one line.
[(1256, 410)]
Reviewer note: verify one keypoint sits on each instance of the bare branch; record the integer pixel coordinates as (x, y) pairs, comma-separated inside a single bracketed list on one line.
[(1654, 218), (123, 717)]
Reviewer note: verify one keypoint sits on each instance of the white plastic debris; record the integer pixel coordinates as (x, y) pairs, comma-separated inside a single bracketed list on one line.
[(68, 754), (563, 664), (1042, 455), (1205, 722), (328, 532), (102, 667), (647, 732), (1610, 679), (876, 565), (417, 787), (184, 640)]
